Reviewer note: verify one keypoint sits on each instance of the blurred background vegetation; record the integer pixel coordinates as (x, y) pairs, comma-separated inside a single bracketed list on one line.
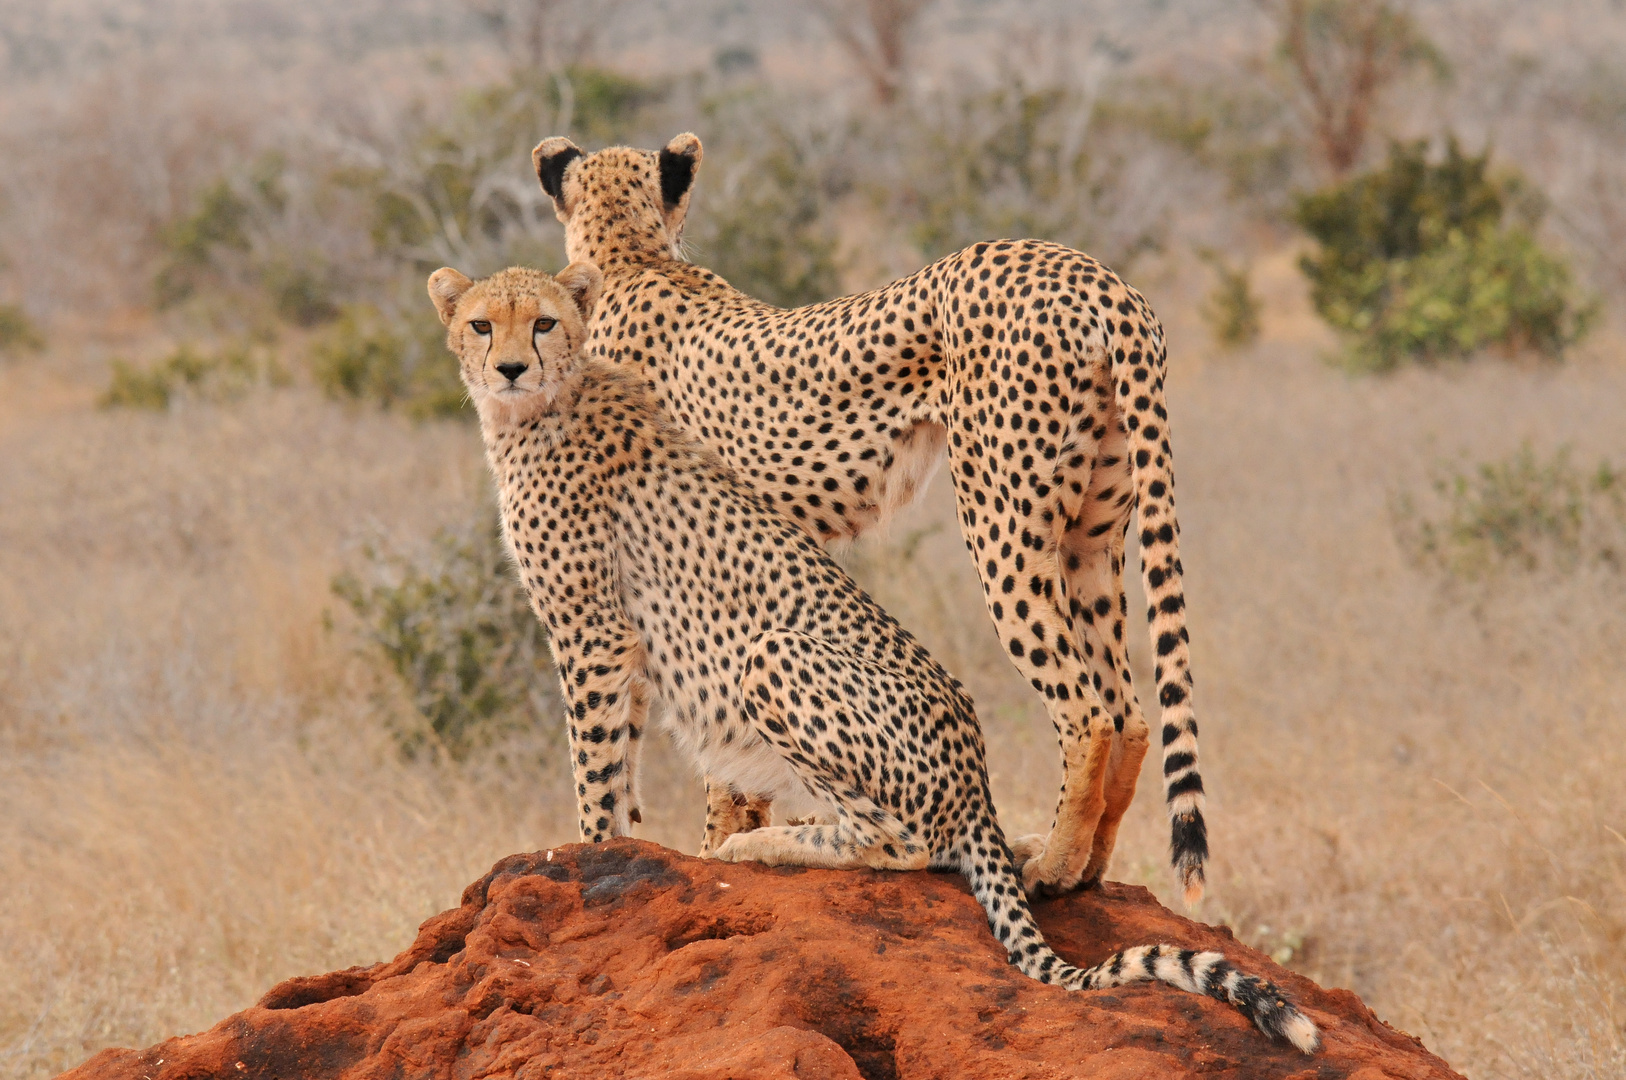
[(247, 570)]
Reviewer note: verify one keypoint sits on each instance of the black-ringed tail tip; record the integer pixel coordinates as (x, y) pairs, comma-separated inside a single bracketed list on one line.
[(1202, 973), (1188, 851)]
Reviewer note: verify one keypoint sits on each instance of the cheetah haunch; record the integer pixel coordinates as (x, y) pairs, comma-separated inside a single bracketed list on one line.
[(1040, 371), (658, 573)]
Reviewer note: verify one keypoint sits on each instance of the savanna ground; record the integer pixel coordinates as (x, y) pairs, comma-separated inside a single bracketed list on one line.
[(1414, 769)]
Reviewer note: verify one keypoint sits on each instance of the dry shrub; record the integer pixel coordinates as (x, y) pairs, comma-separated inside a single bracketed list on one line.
[(127, 148), (1231, 310), (188, 372), (18, 334), (1522, 511)]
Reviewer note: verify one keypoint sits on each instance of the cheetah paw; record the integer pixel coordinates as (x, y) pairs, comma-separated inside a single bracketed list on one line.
[(1029, 852), (736, 848)]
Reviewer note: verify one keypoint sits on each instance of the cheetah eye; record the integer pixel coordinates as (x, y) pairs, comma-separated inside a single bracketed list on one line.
[(544, 325), (480, 326)]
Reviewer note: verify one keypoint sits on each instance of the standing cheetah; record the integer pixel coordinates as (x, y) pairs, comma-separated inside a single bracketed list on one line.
[(658, 574), (1042, 373)]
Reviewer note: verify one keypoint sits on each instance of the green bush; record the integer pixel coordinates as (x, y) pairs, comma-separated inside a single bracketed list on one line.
[(187, 372), (18, 332), (299, 295), (1418, 261), (997, 163), (1231, 310), (401, 361), (225, 252), (218, 222), (463, 193), (767, 228), (1519, 512), (457, 632)]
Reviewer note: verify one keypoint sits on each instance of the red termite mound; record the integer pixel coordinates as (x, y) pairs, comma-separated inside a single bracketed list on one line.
[(628, 960)]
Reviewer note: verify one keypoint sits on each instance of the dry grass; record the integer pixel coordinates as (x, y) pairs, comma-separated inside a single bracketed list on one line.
[(1415, 787)]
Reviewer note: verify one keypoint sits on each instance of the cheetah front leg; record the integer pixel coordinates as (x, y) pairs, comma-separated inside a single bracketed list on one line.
[(729, 812), (637, 725), (601, 670)]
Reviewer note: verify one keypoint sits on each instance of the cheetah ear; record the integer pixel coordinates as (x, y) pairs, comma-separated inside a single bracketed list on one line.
[(446, 288), (551, 158), (680, 160), (583, 281)]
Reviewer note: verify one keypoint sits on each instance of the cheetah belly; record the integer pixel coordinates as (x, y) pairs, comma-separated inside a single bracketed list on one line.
[(713, 733), (753, 767)]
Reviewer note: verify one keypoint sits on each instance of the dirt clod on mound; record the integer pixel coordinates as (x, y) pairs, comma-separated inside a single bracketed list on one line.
[(628, 960)]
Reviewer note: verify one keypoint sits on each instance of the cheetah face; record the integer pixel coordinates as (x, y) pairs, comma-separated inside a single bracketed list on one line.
[(517, 334), (630, 199)]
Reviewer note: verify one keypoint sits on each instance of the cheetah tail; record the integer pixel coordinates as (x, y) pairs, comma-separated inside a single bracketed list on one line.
[(1206, 973), (1139, 379), (987, 863)]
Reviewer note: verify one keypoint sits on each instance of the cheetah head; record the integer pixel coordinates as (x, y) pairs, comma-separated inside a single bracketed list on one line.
[(518, 333), (619, 200)]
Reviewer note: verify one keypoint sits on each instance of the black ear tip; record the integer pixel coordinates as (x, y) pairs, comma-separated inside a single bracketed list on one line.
[(550, 168), (677, 173)]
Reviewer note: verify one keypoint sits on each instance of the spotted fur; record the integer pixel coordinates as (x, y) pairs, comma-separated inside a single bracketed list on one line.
[(660, 576), (1038, 369)]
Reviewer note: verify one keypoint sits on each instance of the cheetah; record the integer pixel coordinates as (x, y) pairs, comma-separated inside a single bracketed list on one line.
[(1040, 372), (663, 579)]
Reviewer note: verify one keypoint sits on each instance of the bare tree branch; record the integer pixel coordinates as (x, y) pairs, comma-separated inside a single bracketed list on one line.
[(875, 34), (546, 35), (1344, 54)]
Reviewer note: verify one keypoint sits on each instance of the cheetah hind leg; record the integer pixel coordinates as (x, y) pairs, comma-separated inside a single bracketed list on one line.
[(791, 679), (1123, 772), (1094, 587), (1054, 863), (729, 812)]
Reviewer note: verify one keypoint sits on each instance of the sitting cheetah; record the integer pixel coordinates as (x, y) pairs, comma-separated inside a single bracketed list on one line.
[(658, 574), (1039, 369)]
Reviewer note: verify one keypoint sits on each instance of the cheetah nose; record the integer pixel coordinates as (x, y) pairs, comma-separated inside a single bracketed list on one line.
[(511, 371)]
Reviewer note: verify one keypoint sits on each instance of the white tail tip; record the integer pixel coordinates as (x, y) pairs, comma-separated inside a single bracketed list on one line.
[(1302, 1033)]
